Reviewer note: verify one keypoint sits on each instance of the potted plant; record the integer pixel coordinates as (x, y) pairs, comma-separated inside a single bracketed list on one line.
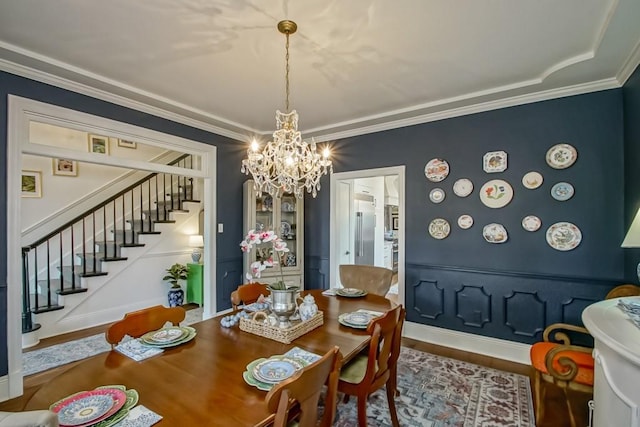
[(175, 273)]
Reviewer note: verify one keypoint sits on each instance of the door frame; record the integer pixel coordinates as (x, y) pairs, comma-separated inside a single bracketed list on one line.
[(333, 220), (23, 110)]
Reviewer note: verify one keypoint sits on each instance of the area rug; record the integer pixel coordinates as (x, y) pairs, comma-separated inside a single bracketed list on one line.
[(434, 391)]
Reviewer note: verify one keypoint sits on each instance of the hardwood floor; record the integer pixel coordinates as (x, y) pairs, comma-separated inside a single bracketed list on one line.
[(556, 414)]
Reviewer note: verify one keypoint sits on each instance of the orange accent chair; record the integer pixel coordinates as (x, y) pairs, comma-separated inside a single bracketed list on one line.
[(568, 366), (374, 368), (299, 394), (248, 293), (138, 323)]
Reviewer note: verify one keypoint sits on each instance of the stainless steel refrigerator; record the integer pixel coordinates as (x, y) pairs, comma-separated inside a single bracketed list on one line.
[(364, 229)]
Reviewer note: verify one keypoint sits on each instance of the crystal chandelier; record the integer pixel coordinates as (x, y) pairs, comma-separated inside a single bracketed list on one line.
[(287, 164)]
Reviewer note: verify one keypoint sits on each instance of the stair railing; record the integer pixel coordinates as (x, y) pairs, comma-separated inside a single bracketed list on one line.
[(125, 215)]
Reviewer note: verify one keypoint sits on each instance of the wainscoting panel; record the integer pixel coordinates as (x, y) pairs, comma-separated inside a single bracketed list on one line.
[(229, 272), (506, 305)]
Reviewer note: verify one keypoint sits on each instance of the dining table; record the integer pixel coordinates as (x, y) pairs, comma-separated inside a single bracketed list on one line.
[(200, 383)]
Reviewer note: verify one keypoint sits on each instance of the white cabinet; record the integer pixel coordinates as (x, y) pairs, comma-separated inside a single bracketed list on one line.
[(616, 393), (285, 216), (388, 255)]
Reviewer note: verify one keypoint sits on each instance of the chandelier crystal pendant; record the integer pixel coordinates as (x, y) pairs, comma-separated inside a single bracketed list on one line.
[(287, 164)]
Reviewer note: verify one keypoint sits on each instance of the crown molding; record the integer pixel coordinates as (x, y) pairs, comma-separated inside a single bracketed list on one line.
[(629, 65)]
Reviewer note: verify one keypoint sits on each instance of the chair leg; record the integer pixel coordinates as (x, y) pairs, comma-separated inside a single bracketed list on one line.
[(362, 411), (537, 386), (572, 419), (391, 392)]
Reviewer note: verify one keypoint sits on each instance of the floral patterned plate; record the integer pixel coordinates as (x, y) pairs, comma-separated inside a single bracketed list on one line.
[(561, 156), (351, 292), (562, 191), (564, 236), (439, 228), (89, 407), (494, 161), (495, 233), (531, 223), (463, 187), (465, 221), (190, 335), (165, 335), (437, 195), (532, 180), (496, 193), (276, 369), (436, 170)]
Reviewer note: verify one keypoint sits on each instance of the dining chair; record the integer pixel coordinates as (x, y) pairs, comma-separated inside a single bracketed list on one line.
[(299, 394), (372, 369), (557, 360), (138, 323), (397, 344), (375, 280), (248, 293), (38, 418)]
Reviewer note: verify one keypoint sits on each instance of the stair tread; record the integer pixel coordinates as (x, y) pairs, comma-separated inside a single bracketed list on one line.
[(71, 291), (47, 309)]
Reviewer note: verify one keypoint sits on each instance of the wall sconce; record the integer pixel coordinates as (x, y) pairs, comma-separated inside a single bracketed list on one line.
[(632, 239), (196, 242)]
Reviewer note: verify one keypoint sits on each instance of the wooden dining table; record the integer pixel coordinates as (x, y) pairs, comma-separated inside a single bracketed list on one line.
[(200, 383)]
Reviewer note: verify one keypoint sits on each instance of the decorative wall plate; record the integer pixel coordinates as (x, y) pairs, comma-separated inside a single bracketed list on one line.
[(494, 161), (465, 221), (439, 228), (436, 170), (531, 223), (437, 195), (564, 236), (495, 233), (532, 180), (562, 191), (496, 193), (463, 187), (561, 156)]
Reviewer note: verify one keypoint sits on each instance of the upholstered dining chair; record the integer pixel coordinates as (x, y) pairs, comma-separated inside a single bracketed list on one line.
[(372, 369), (39, 418), (301, 393), (138, 323), (248, 293), (375, 280), (568, 366)]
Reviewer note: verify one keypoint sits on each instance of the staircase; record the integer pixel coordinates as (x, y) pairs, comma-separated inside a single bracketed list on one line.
[(63, 262)]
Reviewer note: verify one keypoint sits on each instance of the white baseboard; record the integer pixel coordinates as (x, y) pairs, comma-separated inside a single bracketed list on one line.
[(493, 347), (4, 389)]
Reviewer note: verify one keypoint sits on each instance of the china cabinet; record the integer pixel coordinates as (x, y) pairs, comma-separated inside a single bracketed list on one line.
[(285, 216)]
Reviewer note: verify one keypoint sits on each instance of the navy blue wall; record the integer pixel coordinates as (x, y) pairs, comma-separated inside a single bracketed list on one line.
[(511, 290), (631, 97), (229, 188)]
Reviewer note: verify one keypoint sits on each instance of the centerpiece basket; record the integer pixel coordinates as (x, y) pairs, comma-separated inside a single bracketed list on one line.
[(258, 325)]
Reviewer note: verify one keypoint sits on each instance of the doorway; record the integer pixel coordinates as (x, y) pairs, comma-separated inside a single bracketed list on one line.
[(383, 188)]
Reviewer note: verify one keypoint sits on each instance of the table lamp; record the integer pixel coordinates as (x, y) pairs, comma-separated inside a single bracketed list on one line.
[(632, 239), (196, 241)]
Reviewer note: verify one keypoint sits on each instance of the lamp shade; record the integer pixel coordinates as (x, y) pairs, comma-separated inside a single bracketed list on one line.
[(196, 241), (632, 239)]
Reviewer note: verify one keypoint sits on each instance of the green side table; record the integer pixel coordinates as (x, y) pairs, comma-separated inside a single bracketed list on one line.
[(195, 283)]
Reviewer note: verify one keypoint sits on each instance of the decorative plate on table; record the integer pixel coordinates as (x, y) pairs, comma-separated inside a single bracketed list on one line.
[(439, 228), (285, 228), (276, 369), (494, 161), (495, 233), (355, 320), (191, 333), (532, 180), (89, 407), (436, 170), (437, 195), (561, 156), (531, 223), (496, 193), (165, 335), (564, 236), (351, 292), (463, 187), (465, 221), (250, 379), (562, 191)]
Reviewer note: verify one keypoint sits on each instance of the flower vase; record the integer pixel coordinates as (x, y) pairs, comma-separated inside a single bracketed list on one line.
[(176, 297), (283, 305)]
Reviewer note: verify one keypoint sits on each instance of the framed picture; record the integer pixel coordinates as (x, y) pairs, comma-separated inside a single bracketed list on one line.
[(394, 222), (31, 183), (65, 167), (127, 144), (98, 144)]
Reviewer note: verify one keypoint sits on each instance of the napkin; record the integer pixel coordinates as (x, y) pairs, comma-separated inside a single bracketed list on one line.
[(136, 350), (140, 416), (329, 292), (298, 353), (371, 312)]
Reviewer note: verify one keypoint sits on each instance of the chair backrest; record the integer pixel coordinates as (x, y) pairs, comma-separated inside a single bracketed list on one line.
[(304, 389), (395, 350), (627, 290), (248, 293), (375, 280), (382, 349), (138, 323)]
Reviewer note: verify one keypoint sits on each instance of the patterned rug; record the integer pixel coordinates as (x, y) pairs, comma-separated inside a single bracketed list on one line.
[(434, 391)]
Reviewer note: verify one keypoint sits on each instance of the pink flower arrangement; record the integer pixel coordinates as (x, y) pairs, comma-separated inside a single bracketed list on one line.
[(255, 238)]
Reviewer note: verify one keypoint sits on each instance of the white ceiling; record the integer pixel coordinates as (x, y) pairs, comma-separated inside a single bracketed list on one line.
[(357, 66)]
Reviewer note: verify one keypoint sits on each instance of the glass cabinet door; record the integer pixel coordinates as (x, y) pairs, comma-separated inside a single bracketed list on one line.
[(288, 229)]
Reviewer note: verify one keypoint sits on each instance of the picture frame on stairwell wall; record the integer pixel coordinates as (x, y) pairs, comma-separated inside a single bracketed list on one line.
[(31, 183), (64, 167), (98, 144)]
